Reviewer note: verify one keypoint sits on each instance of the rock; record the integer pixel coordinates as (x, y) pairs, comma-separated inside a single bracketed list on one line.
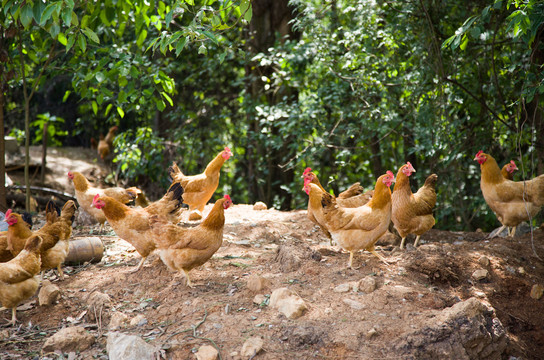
[(484, 261), (537, 291), (480, 274), (118, 320), (206, 352), (251, 347), (4, 334), (259, 205), (138, 320), (258, 299), (367, 284), (467, 330), (287, 303), (343, 288), (371, 333), (128, 347), (69, 339), (97, 303), (48, 294), (256, 283), (292, 257), (354, 304)]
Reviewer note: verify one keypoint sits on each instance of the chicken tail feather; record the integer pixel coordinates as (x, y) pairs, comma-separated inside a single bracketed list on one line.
[(174, 172)]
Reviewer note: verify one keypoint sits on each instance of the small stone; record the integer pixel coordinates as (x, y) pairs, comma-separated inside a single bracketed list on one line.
[(259, 205), (251, 347), (480, 274), (288, 303), (328, 311), (74, 338), (256, 283), (258, 299), (343, 288), (371, 333), (521, 270), (206, 352), (537, 291), (4, 334), (138, 320), (367, 284), (124, 347), (354, 304), (118, 320), (484, 261), (48, 294)]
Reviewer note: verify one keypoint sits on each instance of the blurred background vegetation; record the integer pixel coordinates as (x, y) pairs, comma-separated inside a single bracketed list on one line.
[(348, 88)]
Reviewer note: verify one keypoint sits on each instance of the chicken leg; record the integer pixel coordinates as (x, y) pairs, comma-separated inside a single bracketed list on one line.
[(417, 240), (373, 251), (513, 231), (402, 243), (139, 265)]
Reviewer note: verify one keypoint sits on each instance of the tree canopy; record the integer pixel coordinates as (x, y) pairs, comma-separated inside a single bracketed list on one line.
[(348, 88)]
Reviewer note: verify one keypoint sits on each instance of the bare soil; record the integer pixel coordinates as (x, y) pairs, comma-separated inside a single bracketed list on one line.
[(220, 310)]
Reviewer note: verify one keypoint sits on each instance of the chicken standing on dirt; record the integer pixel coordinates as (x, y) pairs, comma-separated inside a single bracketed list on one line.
[(183, 249), (54, 257), (54, 234), (512, 201), (85, 194), (413, 213), (352, 197), (105, 144), (508, 170), (132, 224), (359, 228), (198, 189), (5, 253), (18, 280)]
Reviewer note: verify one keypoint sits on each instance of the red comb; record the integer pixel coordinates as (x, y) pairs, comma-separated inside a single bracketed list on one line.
[(8, 213), (512, 162), (479, 153), (390, 174), (96, 197), (306, 171), (227, 197)]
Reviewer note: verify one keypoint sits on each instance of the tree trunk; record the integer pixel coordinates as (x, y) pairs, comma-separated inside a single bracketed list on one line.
[(377, 168), (269, 23), (44, 152), (3, 202)]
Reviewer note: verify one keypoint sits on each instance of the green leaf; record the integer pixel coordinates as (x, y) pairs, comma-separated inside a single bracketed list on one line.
[(245, 9), (82, 42), (168, 98), (66, 95), (190, 2), (168, 18), (67, 16), (141, 37), (62, 39), (91, 35), (95, 107), (108, 109), (222, 57), (120, 112), (202, 49), (180, 45), (71, 41), (100, 76), (75, 20), (54, 30), (211, 36), (464, 42), (38, 10), (26, 15)]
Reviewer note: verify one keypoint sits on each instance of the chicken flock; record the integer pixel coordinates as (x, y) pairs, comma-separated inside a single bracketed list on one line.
[(354, 219)]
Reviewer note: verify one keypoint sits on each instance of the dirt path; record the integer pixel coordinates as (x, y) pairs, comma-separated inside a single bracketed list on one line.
[(407, 316)]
